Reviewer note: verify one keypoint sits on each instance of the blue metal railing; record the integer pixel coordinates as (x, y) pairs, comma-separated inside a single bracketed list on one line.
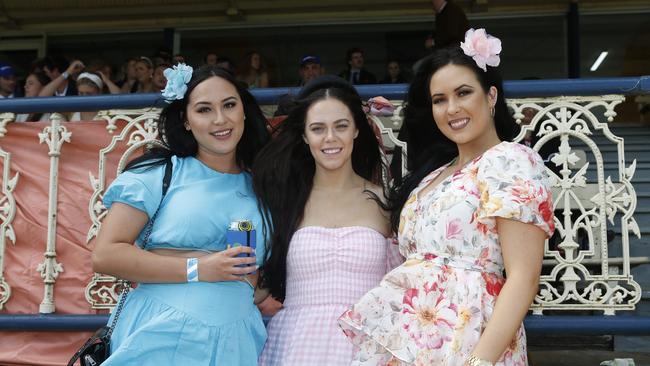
[(534, 324), (513, 89)]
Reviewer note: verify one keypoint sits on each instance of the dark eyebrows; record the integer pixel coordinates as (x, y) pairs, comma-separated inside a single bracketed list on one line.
[(335, 122), (227, 99), (457, 89), (463, 86)]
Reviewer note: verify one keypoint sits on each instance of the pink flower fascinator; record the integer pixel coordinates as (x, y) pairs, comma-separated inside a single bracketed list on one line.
[(380, 106), (482, 47)]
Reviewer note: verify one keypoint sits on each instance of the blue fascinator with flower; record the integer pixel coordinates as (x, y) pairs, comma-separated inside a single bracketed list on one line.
[(177, 79)]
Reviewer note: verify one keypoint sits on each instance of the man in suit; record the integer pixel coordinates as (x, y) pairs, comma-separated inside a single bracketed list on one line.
[(355, 73), (451, 23)]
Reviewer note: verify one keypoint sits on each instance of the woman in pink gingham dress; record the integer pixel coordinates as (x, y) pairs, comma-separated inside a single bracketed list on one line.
[(330, 235)]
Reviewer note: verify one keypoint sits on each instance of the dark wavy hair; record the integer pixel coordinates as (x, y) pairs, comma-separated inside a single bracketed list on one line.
[(428, 147), (43, 79), (283, 173), (245, 68), (180, 142)]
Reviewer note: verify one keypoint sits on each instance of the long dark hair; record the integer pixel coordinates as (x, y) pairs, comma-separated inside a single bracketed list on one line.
[(283, 174), (245, 69), (428, 147), (43, 79), (180, 142)]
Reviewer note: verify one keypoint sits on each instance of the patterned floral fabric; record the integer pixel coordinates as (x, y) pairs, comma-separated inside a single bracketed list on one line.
[(432, 309)]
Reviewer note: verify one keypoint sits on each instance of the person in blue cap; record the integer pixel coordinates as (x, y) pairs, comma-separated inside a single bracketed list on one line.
[(310, 68), (7, 81)]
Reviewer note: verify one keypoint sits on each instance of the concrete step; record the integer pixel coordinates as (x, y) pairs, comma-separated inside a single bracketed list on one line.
[(601, 140), (628, 147), (641, 184), (629, 127), (641, 156), (581, 357), (640, 175)]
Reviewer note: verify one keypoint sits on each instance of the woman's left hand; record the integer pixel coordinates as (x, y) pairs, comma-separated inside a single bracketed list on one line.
[(269, 306)]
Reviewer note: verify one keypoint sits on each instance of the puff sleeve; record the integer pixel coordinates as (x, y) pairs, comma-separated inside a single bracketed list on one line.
[(136, 188), (513, 184)]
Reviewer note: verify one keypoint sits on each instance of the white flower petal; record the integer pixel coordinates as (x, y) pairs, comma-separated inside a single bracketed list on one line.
[(467, 49), (495, 45), (493, 61), (480, 62)]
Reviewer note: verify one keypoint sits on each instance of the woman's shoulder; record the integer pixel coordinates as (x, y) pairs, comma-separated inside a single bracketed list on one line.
[(508, 151), (154, 169), (514, 160)]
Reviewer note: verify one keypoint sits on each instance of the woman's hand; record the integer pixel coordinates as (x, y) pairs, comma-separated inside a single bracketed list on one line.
[(112, 88), (269, 306), (75, 67), (222, 266)]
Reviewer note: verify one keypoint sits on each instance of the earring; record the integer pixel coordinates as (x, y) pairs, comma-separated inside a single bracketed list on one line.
[(492, 111), (187, 126)]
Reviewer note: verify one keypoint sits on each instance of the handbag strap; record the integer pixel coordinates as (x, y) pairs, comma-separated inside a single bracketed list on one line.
[(126, 285)]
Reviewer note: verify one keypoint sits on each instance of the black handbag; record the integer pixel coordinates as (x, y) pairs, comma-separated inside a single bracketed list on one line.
[(97, 348)]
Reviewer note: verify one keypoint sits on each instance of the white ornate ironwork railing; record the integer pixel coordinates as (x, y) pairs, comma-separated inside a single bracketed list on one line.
[(140, 130), (580, 275), (7, 212), (579, 272)]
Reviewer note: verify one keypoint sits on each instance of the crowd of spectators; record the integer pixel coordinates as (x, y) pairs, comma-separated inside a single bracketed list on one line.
[(57, 76), (145, 74)]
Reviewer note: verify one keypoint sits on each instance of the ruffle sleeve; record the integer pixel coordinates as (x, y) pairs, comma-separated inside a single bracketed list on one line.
[(140, 189), (513, 184)]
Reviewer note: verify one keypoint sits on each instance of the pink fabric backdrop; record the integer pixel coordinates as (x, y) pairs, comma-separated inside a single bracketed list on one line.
[(30, 159)]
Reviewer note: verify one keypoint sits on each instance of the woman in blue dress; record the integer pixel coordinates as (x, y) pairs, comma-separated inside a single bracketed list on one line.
[(212, 129)]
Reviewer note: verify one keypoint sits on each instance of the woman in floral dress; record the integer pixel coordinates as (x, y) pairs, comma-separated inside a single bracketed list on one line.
[(479, 205)]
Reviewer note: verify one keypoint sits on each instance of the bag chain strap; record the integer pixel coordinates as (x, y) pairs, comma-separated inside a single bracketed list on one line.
[(126, 285)]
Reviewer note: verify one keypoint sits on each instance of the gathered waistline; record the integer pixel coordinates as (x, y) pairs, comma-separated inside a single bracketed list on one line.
[(456, 262), (296, 305), (212, 303)]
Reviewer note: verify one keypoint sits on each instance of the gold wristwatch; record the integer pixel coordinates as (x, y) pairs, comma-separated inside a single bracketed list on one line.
[(475, 361)]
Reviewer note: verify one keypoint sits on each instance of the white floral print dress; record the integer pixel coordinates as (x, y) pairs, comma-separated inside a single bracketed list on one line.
[(432, 309)]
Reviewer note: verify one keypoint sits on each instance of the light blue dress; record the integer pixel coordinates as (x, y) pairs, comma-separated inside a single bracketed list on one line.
[(199, 323)]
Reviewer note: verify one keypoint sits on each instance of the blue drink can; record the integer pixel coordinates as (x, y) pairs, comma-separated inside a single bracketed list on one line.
[(239, 233)]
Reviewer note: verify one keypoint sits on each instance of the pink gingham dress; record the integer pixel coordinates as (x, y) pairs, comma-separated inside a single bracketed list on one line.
[(328, 269)]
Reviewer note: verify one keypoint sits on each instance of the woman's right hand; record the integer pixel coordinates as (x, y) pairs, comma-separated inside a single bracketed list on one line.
[(221, 266), (75, 67)]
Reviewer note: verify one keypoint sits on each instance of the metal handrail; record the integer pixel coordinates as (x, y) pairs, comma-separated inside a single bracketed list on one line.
[(512, 89), (631, 325)]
